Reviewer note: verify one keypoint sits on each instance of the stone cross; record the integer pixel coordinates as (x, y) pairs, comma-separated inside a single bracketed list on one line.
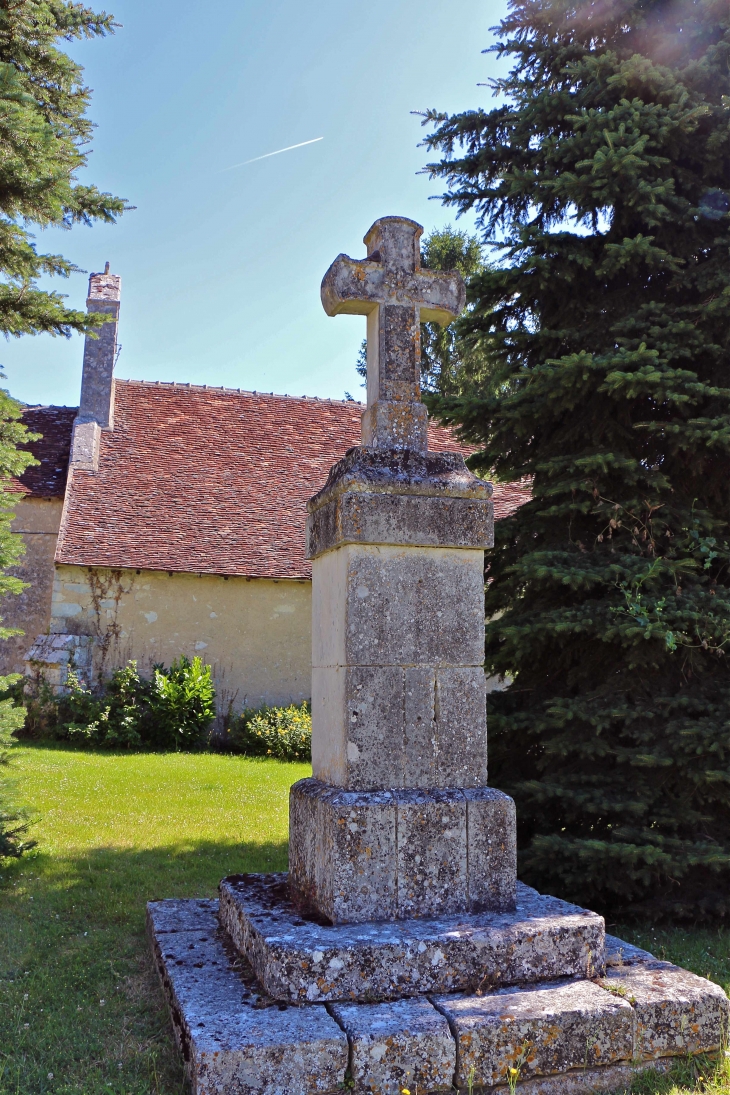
[(396, 295), (398, 820)]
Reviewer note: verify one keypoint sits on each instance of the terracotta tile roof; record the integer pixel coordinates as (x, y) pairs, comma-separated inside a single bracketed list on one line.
[(208, 480), (508, 497), (47, 479)]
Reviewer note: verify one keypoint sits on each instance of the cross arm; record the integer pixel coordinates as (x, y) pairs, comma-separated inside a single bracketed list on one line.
[(358, 286), (442, 295), (353, 286)]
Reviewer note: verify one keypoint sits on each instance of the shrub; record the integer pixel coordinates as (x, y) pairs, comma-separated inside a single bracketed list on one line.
[(282, 732), (182, 703), (172, 710)]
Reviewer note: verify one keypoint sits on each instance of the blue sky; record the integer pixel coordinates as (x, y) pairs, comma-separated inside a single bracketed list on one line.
[(221, 268)]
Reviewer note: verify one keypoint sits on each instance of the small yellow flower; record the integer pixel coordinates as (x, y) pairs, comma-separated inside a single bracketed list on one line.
[(514, 1071), (404, 1091)]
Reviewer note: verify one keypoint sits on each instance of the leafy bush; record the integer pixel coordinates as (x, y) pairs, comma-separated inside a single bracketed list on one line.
[(282, 732), (182, 703), (172, 710), (13, 823)]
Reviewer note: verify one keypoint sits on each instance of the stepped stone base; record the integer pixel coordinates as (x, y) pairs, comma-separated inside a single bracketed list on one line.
[(566, 1037), (302, 960)]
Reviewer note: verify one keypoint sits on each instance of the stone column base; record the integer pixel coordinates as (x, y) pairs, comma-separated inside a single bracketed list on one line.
[(301, 960), (356, 856)]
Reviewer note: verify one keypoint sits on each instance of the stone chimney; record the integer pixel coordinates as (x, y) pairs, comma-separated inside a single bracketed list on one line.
[(96, 410)]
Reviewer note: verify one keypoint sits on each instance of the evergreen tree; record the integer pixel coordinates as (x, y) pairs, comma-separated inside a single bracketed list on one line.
[(44, 133), (603, 336), (13, 462), (442, 351)]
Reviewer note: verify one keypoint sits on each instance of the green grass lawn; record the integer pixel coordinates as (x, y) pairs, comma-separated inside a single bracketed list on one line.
[(80, 1006)]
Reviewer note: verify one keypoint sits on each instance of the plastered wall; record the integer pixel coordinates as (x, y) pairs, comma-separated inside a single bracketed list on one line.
[(38, 520), (255, 633)]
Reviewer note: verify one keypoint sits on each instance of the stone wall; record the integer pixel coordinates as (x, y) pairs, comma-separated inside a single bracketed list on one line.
[(38, 519), (255, 633)]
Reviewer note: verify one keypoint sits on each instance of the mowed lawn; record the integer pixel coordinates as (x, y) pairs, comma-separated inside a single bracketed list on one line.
[(80, 1006)]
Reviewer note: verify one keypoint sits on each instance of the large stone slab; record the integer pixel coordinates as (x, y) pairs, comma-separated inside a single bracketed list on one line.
[(298, 959), (540, 1030), (233, 1039), (675, 1012), (565, 1038), (400, 854), (401, 1044)]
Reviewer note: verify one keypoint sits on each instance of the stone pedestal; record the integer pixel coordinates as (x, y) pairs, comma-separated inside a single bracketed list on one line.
[(398, 821), (391, 855), (566, 1035)]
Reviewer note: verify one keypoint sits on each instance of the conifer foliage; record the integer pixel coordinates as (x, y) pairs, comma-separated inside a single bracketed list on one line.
[(44, 133), (603, 336)]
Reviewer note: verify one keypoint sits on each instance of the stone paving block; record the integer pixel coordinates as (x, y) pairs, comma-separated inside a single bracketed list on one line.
[(405, 1043), (542, 1030), (431, 851), (491, 849), (585, 1081), (176, 915), (676, 1012), (299, 959), (233, 1044), (620, 953)]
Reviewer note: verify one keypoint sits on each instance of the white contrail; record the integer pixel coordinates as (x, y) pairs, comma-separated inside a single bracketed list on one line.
[(277, 153)]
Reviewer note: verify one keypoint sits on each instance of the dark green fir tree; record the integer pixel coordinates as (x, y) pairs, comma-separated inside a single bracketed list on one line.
[(602, 179), (44, 138)]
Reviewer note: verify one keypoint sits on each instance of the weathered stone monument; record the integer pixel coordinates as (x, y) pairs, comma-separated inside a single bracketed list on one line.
[(401, 951)]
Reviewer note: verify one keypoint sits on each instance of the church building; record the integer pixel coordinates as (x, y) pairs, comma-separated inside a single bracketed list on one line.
[(167, 519)]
